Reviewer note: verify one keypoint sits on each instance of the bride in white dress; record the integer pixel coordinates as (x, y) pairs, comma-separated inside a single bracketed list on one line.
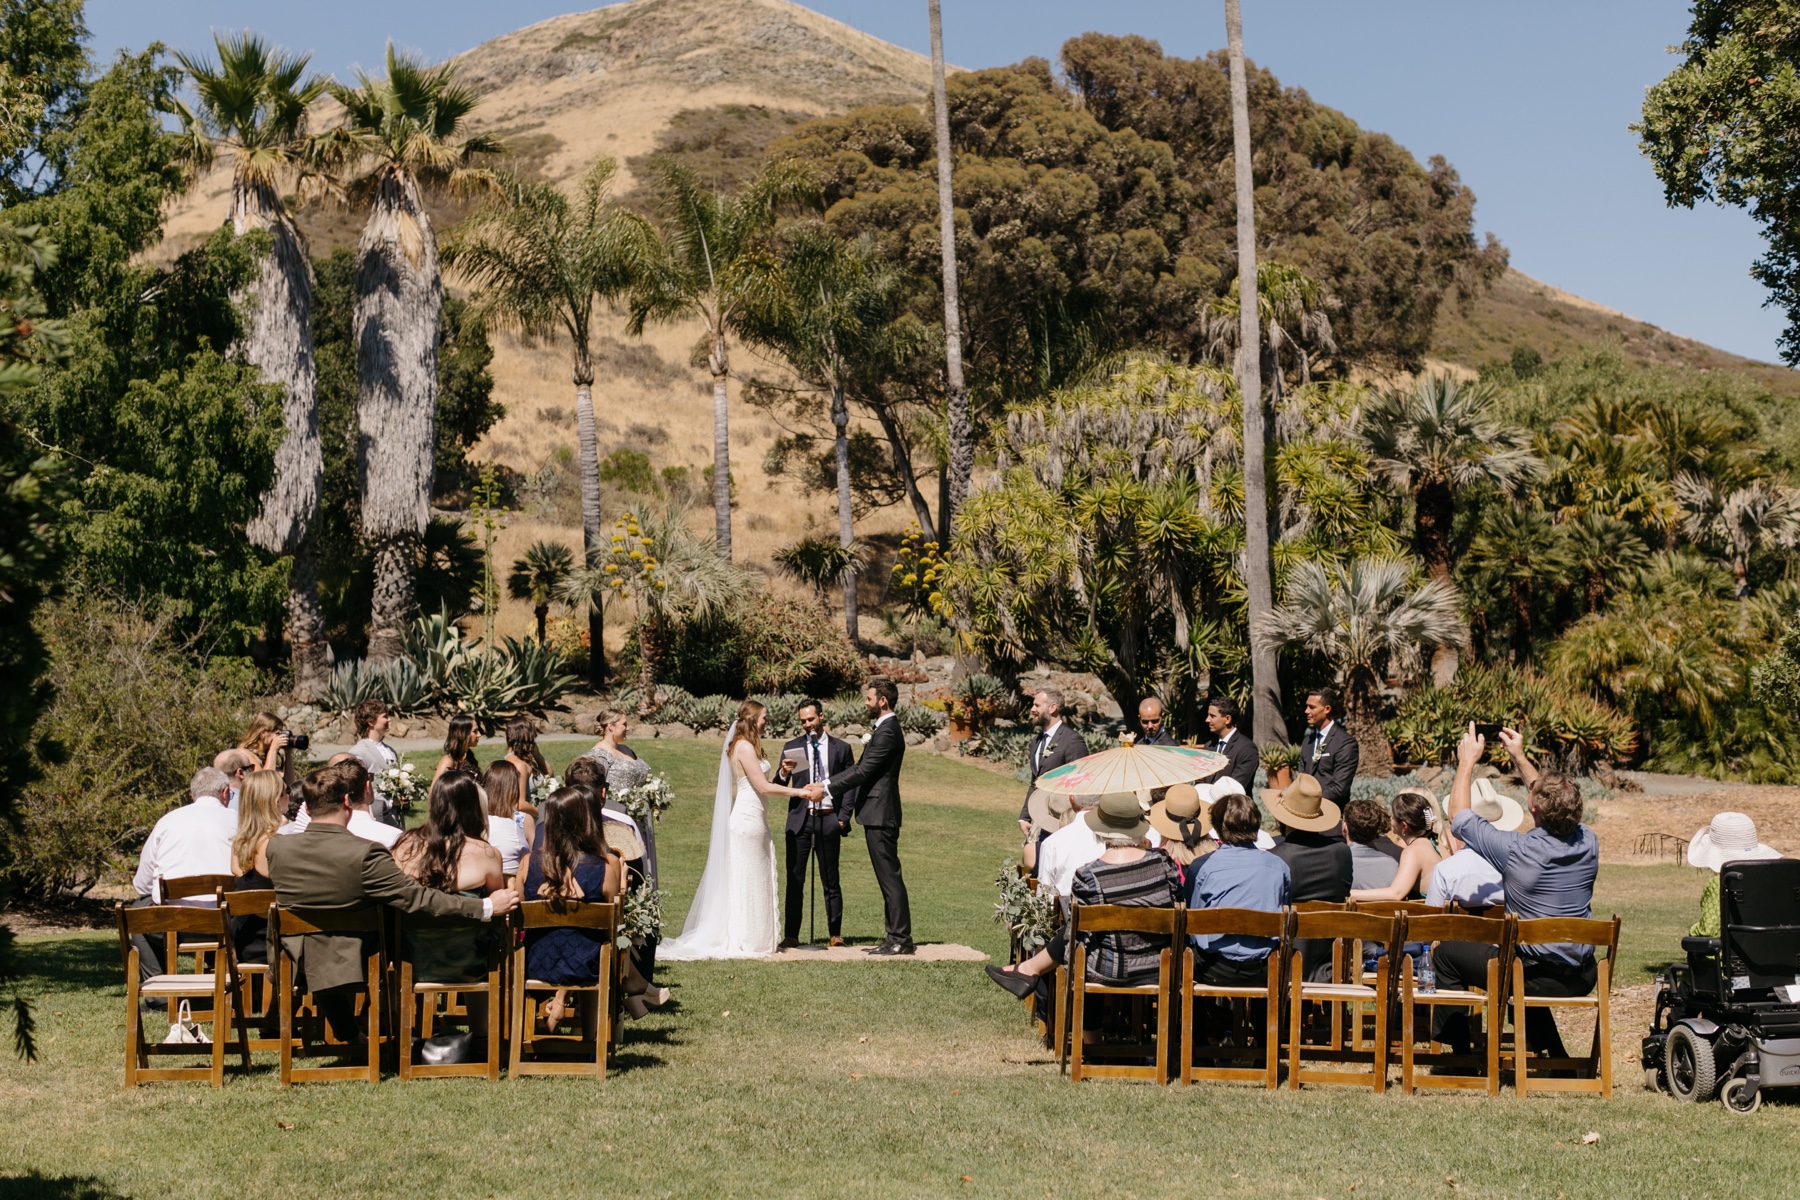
[(733, 914)]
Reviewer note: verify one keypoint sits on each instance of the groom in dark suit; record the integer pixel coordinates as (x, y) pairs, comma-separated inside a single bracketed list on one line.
[(875, 782), (814, 829)]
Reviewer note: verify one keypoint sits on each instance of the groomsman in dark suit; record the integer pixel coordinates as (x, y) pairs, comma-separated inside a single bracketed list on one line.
[(1152, 731), (1328, 753), (1054, 745), (875, 781), (814, 829), (1222, 717)]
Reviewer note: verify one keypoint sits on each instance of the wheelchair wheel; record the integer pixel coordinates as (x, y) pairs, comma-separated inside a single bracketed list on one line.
[(1735, 1097), (1691, 1073)]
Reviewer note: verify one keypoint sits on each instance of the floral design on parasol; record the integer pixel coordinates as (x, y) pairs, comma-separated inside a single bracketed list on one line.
[(1131, 768)]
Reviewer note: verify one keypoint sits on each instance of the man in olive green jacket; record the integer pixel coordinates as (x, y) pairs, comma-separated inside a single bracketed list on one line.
[(329, 867)]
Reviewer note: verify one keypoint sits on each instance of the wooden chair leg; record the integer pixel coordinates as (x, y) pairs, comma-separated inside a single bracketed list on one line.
[(1272, 1021), (135, 1058), (374, 1035), (516, 1014), (603, 1030), (1381, 1029), (1294, 1025), (496, 996), (1603, 1026), (1407, 1010), (1521, 1046), (409, 1003), (1077, 1022), (1164, 994), (285, 974)]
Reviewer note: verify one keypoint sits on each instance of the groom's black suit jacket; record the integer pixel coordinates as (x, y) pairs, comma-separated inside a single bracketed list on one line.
[(837, 756), (876, 779)]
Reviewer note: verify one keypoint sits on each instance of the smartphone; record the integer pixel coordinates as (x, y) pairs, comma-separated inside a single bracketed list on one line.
[(1488, 729)]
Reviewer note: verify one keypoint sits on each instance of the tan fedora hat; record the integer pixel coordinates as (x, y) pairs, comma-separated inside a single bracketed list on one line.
[(1301, 805), (1181, 816), (1501, 811), (622, 837), (1049, 810)]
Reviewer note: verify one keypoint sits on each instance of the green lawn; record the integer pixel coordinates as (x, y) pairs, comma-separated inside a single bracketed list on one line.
[(890, 1079)]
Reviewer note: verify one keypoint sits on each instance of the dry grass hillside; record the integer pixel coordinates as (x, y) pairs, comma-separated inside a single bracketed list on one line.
[(714, 81)]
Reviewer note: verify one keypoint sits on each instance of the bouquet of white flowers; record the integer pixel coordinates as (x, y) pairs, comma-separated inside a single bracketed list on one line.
[(642, 920), (542, 787), (401, 786), (647, 801)]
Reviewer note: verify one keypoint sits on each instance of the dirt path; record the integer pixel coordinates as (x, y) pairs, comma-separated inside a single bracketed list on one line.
[(1631, 825)]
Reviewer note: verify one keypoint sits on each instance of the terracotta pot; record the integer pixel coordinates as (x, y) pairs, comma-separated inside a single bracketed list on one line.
[(960, 729), (1282, 777)]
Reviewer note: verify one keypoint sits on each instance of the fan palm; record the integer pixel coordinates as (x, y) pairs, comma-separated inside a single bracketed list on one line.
[(1761, 515), (711, 264), (1292, 312), (539, 263), (1433, 441), (252, 107), (1370, 619), (538, 576), (1522, 552), (403, 134)]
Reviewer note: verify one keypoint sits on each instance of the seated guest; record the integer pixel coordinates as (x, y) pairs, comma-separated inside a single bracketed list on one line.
[(1466, 878), (194, 839), (1547, 872), (1317, 857), (1073, 847), (1412, 813), (1728, 837), (459, 748), (1050, 811), (448, 852), (1152, 731), (235, 765), (1184, 823), (1127, 872), (262, 811), (362, 816), (1365, 821), (510, 829), (1237, 875), (1222, 715), (572, 863)]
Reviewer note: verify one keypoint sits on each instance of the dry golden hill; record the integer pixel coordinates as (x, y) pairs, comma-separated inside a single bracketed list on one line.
[(715, 81)]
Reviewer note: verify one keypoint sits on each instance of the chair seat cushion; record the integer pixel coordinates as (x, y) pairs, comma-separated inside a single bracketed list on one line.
[(177, 985), (1449, 996), (1336, 991), (1562, 1001), (540, 985)]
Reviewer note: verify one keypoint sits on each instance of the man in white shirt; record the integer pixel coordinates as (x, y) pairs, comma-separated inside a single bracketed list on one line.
[(364, 825), (1073, 847), (236, 766), (1464, 878), (194, 839)]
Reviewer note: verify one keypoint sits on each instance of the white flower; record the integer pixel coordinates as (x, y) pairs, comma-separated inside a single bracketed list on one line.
[(867, 738)]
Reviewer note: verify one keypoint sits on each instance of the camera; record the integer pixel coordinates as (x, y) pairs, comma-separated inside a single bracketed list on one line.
[(297, 741)]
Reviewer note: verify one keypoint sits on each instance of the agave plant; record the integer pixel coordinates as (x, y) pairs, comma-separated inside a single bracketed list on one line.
[(350, 685)]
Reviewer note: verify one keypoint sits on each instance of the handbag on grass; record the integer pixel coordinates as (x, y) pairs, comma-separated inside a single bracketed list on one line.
[(184, 1030), (448, 1048)]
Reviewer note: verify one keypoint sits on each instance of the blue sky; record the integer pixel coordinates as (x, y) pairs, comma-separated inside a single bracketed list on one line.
[(1529, 100)]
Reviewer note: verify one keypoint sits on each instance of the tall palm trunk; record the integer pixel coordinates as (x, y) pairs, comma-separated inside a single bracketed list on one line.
[(960, 425), (719, 362), (279, 343), (1433, 513), (588, 449), (1362, 717), (399, 306), (1259, 567), (840, 417)]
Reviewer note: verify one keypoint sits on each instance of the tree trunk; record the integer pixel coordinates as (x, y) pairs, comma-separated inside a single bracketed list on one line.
[(279, 343), (903, 465), (1433, 514), (721, 369), (399, 306), (588, 450), (960, 425), (1259, 569), (542, 613), (840, 417), (1362, 717)]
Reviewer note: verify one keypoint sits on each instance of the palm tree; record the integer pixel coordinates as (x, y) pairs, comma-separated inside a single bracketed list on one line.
[(252, 106), (538, 576), (410, 130), (819, 562), (711, 264), (1606, 551), (1259, 571), (538, 263), (1761, 515), (1293, 314), (1370, 619), (1524, 552), (1434, 441), (961, 428)]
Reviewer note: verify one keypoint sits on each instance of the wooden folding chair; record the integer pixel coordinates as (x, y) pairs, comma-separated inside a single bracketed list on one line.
[(189, 887), (1114, 918), (257, 993), (419, 997), (1406, 908), (1488, 1001), (1343, 997), (365, 922), (592, 1043), (1242, 922), (219, 988), (1594, 1072)]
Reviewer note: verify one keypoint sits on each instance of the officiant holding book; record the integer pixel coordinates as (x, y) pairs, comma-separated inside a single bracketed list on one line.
[(815, 829)]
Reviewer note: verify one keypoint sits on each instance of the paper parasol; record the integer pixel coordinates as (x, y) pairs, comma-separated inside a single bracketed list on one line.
[(1131, 768)]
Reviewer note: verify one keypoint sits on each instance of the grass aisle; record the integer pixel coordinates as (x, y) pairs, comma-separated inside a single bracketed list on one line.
[(889, 1079)]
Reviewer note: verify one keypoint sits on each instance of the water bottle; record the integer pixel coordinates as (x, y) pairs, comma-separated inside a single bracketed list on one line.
[(1425, 974)]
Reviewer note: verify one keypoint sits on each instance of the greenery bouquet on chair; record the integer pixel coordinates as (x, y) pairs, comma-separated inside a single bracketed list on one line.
[(1028, 913), (641, 922), (648, 801)]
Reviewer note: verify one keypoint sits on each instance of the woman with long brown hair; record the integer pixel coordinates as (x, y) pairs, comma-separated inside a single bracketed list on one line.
[(523, 753), (510, 829), (448, 852), (459, 747)]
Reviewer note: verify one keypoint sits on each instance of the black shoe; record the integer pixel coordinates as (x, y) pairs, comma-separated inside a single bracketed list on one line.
[(892, 947), (1019, 984)]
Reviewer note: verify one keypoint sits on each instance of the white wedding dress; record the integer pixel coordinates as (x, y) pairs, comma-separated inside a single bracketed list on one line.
[(733, 914)]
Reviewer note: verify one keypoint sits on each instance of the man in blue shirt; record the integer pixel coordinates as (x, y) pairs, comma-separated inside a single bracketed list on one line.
[(1236, 875), (1546, 872)]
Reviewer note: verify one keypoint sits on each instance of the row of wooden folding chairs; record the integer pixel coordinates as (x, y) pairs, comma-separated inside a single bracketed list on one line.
[(242, 1000), (1356, 1006)]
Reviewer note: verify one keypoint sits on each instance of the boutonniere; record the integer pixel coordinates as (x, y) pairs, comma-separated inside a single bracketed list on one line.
[(867, 738)]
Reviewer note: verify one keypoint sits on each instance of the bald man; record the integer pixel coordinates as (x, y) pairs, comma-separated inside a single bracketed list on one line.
[(1150, 722)]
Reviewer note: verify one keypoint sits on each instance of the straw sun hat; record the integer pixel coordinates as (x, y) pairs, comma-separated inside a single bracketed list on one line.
[(1301, 805), (1728, 837), (1501, 811)]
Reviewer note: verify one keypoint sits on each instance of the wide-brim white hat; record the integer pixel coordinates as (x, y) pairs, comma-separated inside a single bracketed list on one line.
[(1729, 837), (1497, 809)]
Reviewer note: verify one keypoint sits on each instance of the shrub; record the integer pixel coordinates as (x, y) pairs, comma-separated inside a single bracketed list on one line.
[(916, 718), (134, 716), (759, 643), (441, 671), (1561, 723)]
